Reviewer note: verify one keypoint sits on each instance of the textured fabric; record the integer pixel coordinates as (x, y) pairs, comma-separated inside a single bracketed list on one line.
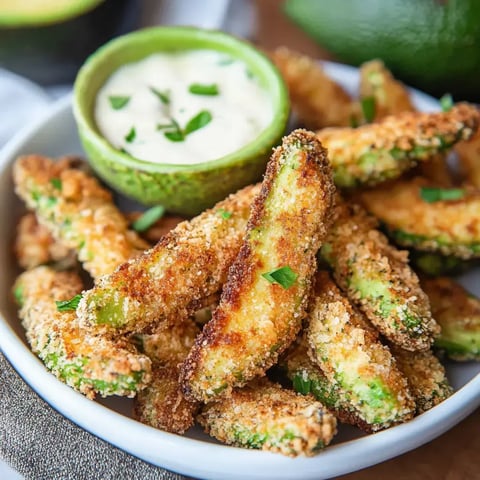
[(43, 445)]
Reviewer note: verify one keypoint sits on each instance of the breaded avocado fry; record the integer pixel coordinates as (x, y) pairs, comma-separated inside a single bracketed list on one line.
[(308, 378), (381, 94), (162, 404), (352, 357), (420, 215), (425, 376), (266, 294), (176, 277), (317, 99), (371, 154), (34, 245), (377, 279), (469, 159), (458, 313), (265, 416), (90, 364), (77, 211)]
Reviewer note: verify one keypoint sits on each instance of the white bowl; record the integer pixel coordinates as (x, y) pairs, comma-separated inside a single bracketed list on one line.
[(195, 454)]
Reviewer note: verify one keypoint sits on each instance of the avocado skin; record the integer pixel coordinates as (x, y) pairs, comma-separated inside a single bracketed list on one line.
[(52, 54), (433, 45), (202, 188)]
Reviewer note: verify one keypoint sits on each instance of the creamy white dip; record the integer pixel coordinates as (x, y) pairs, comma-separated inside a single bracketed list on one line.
[(144, 107)]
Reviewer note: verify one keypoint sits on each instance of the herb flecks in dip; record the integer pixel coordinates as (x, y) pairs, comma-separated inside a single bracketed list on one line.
[(184, 107)]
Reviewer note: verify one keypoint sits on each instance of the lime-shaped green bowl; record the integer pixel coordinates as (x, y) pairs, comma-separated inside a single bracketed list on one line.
[(184, 189)]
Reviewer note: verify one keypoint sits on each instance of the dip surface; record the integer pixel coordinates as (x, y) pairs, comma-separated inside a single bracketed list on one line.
[(182, 108)]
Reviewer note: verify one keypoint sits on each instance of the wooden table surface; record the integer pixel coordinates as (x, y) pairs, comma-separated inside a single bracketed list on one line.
[(456, 454)]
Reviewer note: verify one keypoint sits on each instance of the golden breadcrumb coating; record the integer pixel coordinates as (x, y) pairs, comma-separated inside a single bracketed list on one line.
[(257, 317), (352, 356), (371, 154), (91, 364), (34, 245), (388, 95), (162, 404), (265, 416), (425, 376), (377, 279), (308, 378), (458, 313), (317, 99), (160, 228), (77, 210), (469, 158), (451, 227), (176, 277)]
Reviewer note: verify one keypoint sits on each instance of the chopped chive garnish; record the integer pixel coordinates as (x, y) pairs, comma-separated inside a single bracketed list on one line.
[(368, 108), (225, 214), (175, 136), (432, 194), (57, 183), (118, 102), (198, 121), (18, 294), (148, 218), (446, 102), (164, 97), (165, 126), (199, 89), (130, 136), (69, 305), (284, 276)]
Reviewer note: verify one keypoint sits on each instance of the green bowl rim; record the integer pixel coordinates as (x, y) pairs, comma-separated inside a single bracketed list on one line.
[(262, 142)]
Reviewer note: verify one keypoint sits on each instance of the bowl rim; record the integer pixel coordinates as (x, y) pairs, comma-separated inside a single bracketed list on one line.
[(224, 42)]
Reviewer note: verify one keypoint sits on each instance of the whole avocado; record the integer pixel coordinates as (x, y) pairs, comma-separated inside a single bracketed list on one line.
[(431, 44)]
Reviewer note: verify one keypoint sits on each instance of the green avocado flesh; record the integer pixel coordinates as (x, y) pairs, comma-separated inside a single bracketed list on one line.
[(434, 45), (41, 12)]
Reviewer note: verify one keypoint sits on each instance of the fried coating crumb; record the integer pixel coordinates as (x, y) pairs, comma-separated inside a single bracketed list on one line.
[(88, 363), (265, 416), (318, 100), (351, 356), (34, 245), (451, 227), (162, 404), (176, 277), (257, 319), (389, 96), (160, 228), (371, 154), (469, 159), (458, 313), (378, 279), (425, 375), (77, 211)]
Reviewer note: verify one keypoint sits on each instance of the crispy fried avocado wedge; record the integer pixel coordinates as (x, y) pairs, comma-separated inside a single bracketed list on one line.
[(176, 277), (308, 378), (377, 279), (458, 313), (266, 294), (162, 404), (34, 246), (88, 363), (317, 100), (469, 159), (425, 376), (420, 215), (77, 211), (352, 357), (265, 416), (373, 153), (380, 93)]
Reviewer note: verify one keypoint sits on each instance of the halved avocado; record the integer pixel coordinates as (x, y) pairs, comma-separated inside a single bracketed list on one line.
[(48, 40)]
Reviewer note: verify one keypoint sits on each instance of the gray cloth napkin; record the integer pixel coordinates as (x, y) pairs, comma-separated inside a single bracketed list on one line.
[(43, 445)]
